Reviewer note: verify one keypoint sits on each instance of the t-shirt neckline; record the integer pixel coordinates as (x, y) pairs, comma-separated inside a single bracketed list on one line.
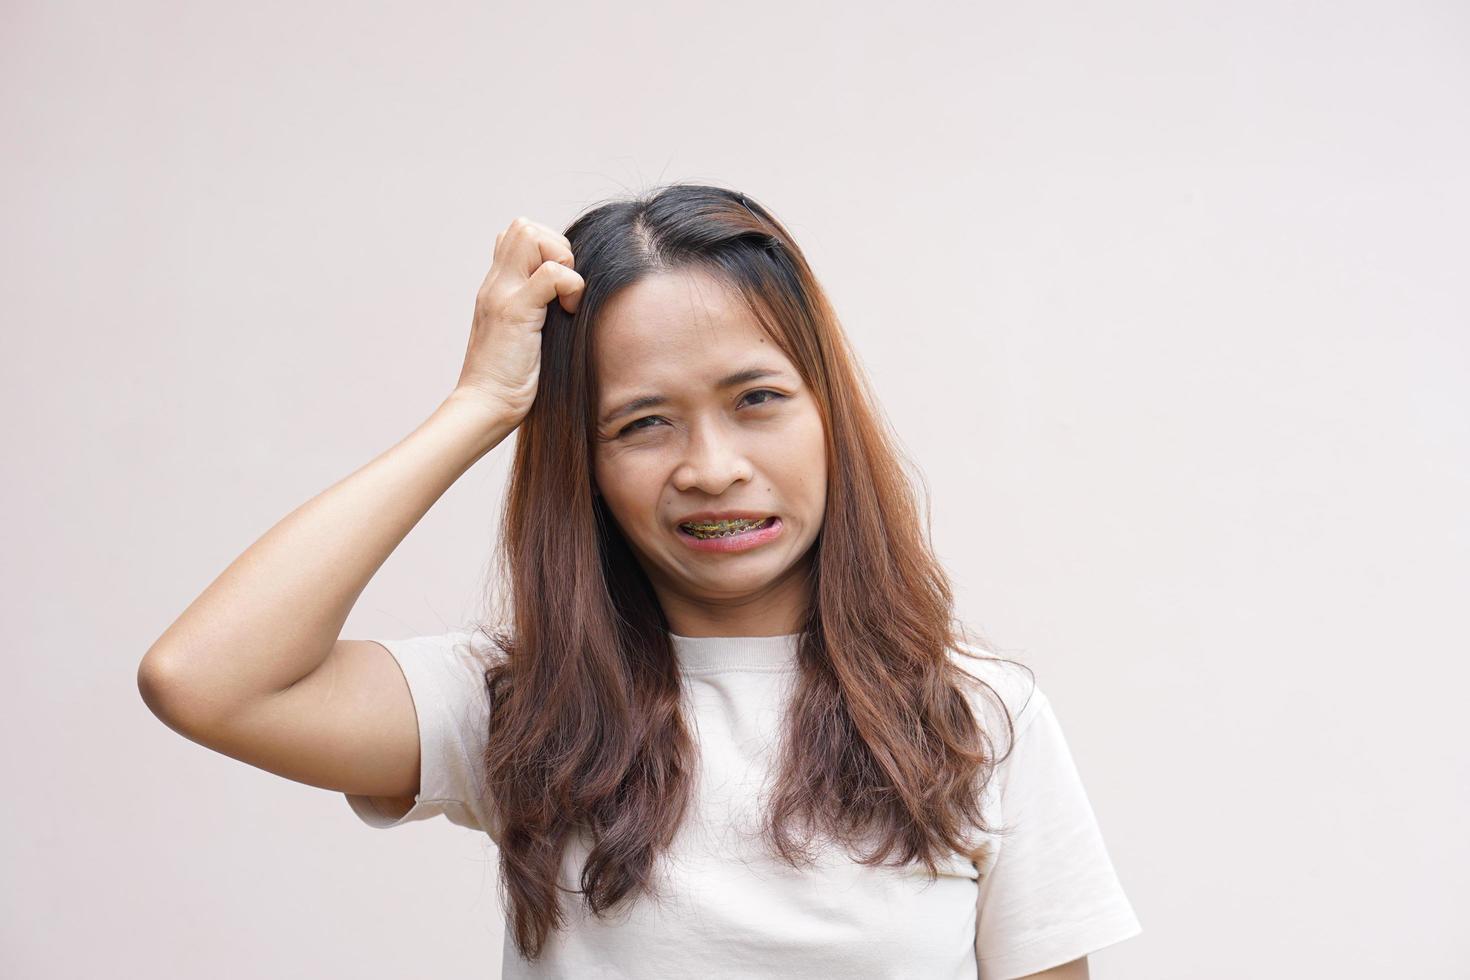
[(735, 652)]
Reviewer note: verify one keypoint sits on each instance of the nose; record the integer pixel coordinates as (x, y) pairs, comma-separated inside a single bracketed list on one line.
[(714, 460)]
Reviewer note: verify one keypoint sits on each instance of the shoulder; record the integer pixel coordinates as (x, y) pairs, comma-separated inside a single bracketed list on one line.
[(1000, 688), (448, 667), (468, 647), (482, 643)]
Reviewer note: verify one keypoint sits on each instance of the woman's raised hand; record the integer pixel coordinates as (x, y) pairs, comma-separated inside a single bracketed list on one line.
[(532, 266)]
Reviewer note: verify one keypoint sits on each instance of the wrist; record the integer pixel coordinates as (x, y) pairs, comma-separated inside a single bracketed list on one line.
[(485, 420)]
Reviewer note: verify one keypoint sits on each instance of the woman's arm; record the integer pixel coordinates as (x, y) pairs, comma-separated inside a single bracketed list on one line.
[(1075, 970), (253, 668), (272, 617)]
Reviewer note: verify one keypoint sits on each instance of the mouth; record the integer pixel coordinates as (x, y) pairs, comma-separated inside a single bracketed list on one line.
[(726, 537), (710, 530)]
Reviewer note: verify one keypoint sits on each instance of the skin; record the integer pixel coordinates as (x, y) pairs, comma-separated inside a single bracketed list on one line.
[(757, 446), (1075, 970)]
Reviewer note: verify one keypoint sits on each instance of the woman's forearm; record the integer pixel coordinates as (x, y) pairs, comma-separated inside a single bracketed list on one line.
[(273, 615)]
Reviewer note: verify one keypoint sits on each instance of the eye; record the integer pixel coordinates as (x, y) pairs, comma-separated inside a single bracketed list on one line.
[(766, 391), (635, 425)]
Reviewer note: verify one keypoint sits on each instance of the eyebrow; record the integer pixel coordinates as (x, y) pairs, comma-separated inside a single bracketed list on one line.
[(651, 401)]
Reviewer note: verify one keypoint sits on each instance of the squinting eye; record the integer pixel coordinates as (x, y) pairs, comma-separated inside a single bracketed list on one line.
[(634, 426), (766, 391)]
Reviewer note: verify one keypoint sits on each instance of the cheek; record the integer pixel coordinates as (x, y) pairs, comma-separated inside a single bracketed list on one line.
[(626, 486), (817, 439), (799, 466)]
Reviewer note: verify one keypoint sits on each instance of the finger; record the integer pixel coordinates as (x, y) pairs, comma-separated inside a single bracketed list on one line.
[(555, 234), (552, 280), (528, 244), (569, 290)]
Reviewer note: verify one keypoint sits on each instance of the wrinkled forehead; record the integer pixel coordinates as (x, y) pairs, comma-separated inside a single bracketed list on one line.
[(676, 328)]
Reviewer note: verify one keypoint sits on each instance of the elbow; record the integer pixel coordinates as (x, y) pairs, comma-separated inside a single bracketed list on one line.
[(162, 690)]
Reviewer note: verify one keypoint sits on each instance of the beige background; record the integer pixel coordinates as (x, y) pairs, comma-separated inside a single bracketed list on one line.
[(1168, 302)]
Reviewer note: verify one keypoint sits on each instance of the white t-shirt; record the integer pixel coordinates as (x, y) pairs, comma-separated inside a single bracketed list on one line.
[(1041, 896)]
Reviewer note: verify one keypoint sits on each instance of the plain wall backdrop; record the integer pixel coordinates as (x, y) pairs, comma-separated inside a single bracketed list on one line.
[(1168, 302)]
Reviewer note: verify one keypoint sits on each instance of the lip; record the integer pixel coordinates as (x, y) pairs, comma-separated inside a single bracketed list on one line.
[(735, 542)]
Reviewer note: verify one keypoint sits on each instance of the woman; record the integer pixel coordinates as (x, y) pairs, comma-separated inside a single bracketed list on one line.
[(722, 721)]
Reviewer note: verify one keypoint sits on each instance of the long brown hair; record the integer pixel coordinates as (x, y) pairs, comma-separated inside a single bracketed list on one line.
[(587, 735)]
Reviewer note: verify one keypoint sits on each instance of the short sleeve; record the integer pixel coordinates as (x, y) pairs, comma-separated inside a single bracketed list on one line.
[(446, 678), (1052, 895)]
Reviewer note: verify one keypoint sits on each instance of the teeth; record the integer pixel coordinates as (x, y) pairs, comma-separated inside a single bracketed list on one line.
[(722, 529)]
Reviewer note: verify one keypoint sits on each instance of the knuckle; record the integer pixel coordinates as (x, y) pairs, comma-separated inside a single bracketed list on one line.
[(490, 298)]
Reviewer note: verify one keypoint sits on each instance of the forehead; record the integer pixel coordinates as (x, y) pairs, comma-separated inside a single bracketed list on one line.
[(676, 329)]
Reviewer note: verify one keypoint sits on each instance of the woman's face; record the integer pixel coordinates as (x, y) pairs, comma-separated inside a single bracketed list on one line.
[(755, 445)]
